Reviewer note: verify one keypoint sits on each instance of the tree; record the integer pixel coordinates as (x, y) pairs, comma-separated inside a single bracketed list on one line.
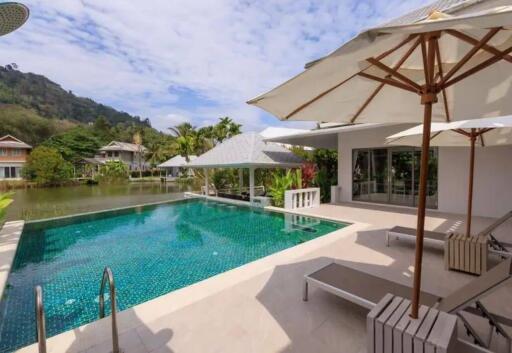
[(183, 129), (46, 166), (225, 129), (113, 172), (137, 139), (75, 144)]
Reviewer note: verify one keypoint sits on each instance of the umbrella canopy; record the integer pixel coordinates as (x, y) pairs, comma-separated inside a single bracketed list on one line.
[(382, 71), (12, 16), (491, 132), (472, 133), (387, 74)]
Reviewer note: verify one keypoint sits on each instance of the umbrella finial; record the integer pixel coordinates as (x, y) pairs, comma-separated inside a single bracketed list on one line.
[(435, 15)]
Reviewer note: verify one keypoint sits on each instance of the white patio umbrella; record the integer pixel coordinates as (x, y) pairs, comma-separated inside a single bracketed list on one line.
[(472, 133), (386, 74), (12, 16)]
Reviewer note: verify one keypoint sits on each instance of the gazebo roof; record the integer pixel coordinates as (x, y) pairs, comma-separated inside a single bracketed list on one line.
[(247, 150), (176, 162)]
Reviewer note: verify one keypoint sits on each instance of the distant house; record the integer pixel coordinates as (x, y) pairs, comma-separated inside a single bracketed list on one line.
[(13, 155), (128, 153)]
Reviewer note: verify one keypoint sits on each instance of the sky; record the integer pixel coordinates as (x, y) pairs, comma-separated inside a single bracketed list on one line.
[(186, 60)]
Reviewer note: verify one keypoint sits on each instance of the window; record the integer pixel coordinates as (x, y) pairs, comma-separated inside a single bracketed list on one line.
[(10, 172), (3, 152), (16, 152), (391, 175)]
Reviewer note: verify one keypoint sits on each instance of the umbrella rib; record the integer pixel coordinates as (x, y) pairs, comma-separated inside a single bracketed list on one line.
[(302, 106), (440, 72), (424, 56), (382, 84), (435, 135), (462, 132), (389, 81), (478, 67), (471, 40), (381, 56), (470, 54), (393, 72)]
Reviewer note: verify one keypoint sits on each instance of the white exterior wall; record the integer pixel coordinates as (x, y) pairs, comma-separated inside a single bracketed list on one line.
[(492, 195)]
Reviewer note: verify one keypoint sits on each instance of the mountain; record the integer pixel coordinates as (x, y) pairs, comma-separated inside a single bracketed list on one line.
[(34, 108), (50, 100)]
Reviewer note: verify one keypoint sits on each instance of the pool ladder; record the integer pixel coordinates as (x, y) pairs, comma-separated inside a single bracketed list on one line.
[(108, 276), (41, 323)]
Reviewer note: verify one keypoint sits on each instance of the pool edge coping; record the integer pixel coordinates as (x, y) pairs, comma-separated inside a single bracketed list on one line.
[(9, 240)]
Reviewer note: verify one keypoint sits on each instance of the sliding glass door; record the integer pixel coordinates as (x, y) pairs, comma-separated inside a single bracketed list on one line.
[(390, 175)]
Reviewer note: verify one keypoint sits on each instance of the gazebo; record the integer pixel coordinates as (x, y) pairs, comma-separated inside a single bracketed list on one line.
[(174, 164), (246, 151)]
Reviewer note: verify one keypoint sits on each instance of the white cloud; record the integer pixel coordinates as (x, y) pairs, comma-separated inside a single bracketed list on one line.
[(182, 59)]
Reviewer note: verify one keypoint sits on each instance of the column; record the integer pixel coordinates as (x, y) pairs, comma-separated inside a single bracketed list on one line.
[(251, 183), (206, 186)]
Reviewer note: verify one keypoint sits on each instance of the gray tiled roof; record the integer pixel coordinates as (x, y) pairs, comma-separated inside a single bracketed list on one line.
[(176, 161), (246, 150), (123, 146)]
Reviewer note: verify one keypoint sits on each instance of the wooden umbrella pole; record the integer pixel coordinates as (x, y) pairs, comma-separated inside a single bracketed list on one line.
[(470, 183), (427, 99), (422, 200)]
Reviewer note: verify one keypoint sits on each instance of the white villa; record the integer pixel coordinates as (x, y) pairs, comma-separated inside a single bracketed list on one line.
[(370, 171), (129, 153)]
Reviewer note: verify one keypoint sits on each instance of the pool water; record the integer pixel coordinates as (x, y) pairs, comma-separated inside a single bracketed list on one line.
[(151, 250)]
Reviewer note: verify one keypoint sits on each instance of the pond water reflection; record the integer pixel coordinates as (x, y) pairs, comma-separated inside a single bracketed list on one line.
[(38, 203)]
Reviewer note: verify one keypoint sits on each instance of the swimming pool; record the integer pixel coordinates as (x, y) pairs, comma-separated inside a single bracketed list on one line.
[(152, 250)]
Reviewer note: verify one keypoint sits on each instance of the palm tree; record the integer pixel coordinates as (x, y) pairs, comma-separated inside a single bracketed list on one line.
[(186, 146), (137, 139), (225, 128), (183, 129)]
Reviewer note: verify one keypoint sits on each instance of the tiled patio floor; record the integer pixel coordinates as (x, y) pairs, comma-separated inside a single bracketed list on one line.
[(258, 308)]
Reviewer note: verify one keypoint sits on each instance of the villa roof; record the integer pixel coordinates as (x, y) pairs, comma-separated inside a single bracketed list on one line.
[(322, 138), (9, 141), (247, 150), (176, 162), (123, 146)]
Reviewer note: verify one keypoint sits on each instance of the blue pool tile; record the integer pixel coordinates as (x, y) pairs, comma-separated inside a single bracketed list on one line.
[(151, 251)]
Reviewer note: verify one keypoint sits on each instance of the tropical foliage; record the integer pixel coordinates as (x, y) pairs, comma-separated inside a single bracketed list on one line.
[(289, 180), (5, 201), (46, 166), (113, 172), (191, 140)]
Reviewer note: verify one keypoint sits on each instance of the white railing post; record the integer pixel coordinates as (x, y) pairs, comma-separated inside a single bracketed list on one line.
[(302, 198)]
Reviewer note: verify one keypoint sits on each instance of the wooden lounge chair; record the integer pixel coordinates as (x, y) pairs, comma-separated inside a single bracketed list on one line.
[(495, 246), (367, 290)]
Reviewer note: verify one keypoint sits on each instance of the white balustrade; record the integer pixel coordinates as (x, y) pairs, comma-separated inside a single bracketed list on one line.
[(302, 198)]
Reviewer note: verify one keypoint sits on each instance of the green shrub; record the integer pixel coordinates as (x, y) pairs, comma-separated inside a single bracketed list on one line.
[(46, 166), (113, 172), (282, 182), (5, 201)]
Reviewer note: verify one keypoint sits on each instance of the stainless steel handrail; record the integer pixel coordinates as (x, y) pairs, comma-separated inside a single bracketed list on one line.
[(40, 320), (107, 275)]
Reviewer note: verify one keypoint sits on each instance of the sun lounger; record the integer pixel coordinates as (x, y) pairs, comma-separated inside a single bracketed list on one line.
[(436, 238), (367, 290), (496, 246)]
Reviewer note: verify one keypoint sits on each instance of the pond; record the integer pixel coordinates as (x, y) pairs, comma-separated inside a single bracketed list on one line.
[(38, 203)]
